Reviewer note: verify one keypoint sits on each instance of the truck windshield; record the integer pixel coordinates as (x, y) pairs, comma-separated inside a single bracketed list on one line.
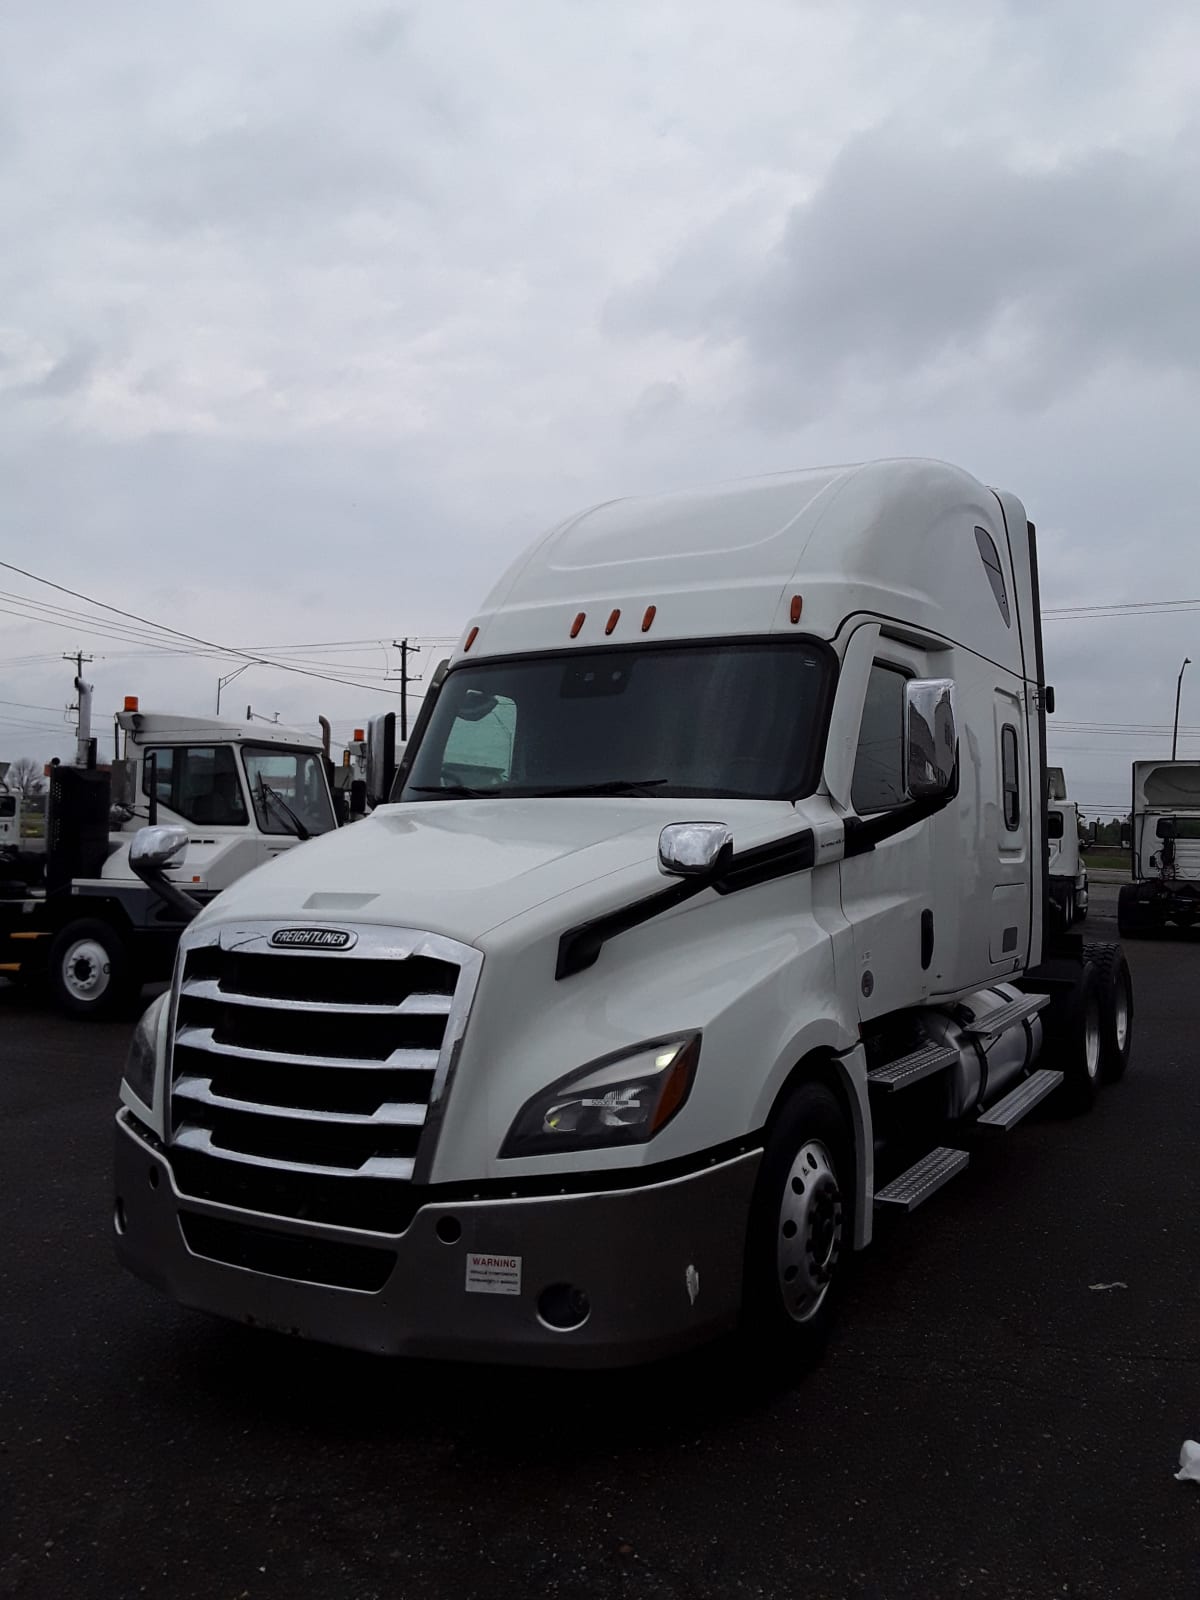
[(296, 777), (735, 720)]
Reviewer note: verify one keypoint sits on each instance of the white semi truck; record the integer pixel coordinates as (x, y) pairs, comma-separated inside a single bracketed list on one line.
[(245, 792), (1165, 849), (1068, 873), (710, 919)]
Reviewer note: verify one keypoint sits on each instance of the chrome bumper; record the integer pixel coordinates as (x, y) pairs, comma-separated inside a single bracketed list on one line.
[(660, 1264)]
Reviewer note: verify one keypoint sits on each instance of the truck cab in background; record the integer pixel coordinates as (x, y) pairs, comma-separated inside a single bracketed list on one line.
[(1068, 874), (709, 919), (243, 793), (1164, 849)]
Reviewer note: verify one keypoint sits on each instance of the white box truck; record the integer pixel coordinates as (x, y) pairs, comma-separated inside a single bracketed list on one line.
[(1068, 874), (1165, 849), (710, 919)]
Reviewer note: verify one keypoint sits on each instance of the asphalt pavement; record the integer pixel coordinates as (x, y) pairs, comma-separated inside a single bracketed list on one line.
[(1000, 1414)]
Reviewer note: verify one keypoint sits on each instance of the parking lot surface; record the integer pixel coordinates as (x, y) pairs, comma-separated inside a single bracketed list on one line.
[(999, 1416)]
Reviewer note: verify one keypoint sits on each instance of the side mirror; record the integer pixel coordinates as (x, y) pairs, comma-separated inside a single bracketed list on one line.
[(693, 849), (155, 848), (1054, 825), (931, 738)]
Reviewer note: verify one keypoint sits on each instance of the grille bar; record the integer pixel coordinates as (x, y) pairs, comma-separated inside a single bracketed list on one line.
[(401, 1059), (201, 1141), (392, 1114), (413, 1005)]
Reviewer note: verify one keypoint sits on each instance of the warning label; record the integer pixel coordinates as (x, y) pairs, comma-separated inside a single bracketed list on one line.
[(493, 1274)]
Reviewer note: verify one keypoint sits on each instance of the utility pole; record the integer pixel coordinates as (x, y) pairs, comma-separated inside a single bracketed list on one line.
[(228, 678), (1187, 661), (406, 649), (83, 736)]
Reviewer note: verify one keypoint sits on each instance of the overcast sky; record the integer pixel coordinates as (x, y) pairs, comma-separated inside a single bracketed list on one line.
[(311, 315)]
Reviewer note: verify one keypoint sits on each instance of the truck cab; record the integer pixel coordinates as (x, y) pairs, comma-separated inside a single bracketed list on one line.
[(244, 794), (1165, 849), (709, 917), (1068, 874)]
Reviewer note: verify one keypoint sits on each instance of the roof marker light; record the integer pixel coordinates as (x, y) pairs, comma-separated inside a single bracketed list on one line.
[(577, 624), (612, 622), (131, 702), (651, 612), (359, 734), (797, 606), (471, 638)]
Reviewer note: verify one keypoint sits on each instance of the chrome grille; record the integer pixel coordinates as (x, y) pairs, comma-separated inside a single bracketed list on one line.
[(308, 1084)]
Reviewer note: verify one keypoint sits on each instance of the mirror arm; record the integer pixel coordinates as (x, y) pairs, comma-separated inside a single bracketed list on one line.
[(171, 894), (863, 835)]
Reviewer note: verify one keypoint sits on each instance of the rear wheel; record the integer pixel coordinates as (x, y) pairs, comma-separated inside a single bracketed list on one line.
[(1074, 1040), (800, 1231), (91, 973), (1116, 990)]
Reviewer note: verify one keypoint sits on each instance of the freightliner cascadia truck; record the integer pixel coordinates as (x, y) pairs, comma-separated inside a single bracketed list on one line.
[(709, 919)]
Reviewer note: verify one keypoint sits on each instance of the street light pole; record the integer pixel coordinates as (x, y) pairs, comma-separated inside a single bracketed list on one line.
[(1187, 661)]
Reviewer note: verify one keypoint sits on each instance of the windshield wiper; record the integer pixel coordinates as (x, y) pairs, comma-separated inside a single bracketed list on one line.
[(453, 791), (609, 786), (267, 793)]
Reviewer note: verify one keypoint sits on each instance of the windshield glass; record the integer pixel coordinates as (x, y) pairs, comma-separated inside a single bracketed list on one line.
[(737, 720), (297, 778)]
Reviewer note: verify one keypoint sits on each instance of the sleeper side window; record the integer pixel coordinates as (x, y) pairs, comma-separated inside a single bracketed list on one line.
[(991, 563), (1010, 777), (878, 783)]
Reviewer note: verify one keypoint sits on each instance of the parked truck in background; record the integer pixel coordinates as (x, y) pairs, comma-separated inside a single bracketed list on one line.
[(710, 918), (91, 927), (1164, 849), (1068, 874)]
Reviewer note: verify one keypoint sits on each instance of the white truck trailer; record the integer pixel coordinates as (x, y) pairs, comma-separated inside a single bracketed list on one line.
[(710, 919), (245, 792), (1068, 874), (1165, 849)]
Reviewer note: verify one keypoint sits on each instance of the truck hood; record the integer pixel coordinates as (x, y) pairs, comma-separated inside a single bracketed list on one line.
[(463, 867)]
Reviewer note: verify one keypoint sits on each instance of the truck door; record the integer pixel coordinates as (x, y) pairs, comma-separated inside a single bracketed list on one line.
[(888, 893)]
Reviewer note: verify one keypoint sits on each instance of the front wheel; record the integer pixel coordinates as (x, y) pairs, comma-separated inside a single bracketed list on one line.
[(1133, 916), (1081, 901), (800, 1231), (91, 973)]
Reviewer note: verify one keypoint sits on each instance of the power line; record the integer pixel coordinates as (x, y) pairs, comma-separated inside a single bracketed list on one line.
[(192, 638)]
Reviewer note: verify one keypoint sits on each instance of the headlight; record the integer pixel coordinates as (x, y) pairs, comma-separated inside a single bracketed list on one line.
[(143, 1052), (623, 1099)]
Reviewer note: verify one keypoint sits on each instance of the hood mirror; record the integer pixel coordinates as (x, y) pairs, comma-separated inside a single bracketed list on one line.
[(156, 848), (694, 849)]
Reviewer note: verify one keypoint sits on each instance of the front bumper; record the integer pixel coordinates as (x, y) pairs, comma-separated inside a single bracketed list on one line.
[(661, 1265)]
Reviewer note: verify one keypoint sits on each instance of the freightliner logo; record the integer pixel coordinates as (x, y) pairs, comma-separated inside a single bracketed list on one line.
[(314, 938)]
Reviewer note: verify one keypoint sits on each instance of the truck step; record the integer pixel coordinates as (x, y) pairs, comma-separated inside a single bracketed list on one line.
[(920, 1181), (918, 1064), (1008, 1016), (1018, 1102)]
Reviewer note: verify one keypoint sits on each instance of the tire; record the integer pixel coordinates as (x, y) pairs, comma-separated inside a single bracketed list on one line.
[(1069, 907), (1081, 901), (1116, 989), (801, 1231), (91, 970), (1074, 1041), (1133, 919)]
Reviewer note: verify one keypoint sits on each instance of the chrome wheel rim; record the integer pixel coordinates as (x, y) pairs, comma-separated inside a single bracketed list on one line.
[(809, 1232), (1121, 1016), (86, 969), (1091, 1038)]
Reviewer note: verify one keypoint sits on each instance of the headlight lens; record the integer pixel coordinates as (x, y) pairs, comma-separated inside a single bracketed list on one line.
[(623, 1099), (143, 1052)]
